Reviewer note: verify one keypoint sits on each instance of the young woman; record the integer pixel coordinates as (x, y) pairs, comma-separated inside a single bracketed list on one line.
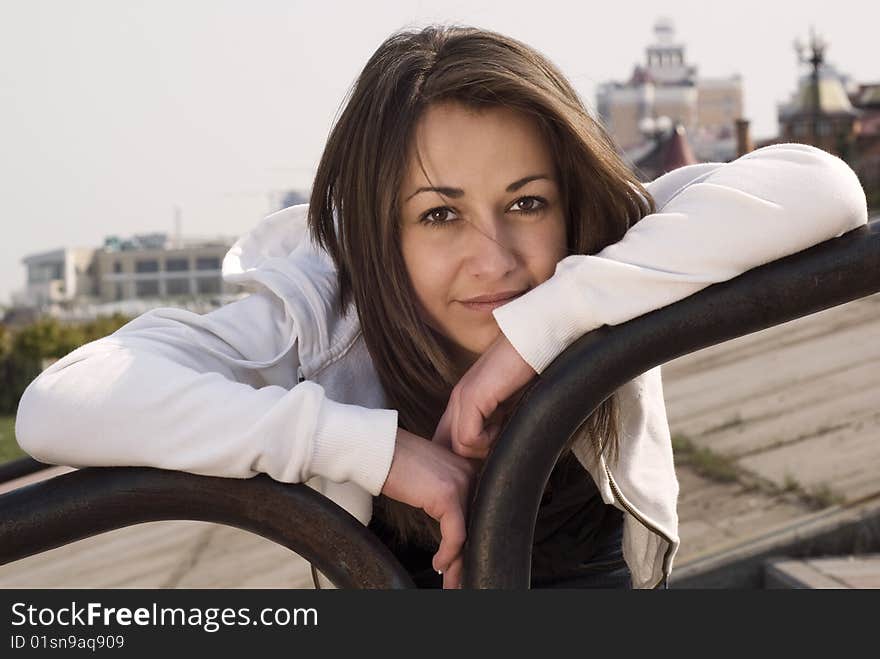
[(468, 221)]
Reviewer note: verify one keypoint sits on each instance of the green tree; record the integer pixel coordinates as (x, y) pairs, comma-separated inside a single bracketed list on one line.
[(103, 326), (47, 338), (24, 352)]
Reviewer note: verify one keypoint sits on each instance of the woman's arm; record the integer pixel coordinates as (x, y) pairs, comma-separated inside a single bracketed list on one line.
[(179, 390), (714, 222)]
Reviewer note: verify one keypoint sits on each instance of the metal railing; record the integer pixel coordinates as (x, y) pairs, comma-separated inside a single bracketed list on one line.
[(501, 527), (90, 501), (20, 467)]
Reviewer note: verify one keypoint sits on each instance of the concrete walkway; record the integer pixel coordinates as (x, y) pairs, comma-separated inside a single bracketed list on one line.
[(860, 572), (795, 409)]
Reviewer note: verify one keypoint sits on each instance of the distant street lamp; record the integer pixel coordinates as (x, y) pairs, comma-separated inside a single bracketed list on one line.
[(815, 57)]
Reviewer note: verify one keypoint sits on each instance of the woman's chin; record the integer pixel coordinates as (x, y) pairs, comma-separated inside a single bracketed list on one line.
[(470, 351)]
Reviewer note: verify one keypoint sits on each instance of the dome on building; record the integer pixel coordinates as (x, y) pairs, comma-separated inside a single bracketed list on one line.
[(833, 97)]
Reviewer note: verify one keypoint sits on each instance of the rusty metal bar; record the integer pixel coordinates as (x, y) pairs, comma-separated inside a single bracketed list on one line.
[(498, 549), (90, 501)]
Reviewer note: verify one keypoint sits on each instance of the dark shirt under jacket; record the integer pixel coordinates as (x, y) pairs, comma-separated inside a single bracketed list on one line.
[(573, 526)]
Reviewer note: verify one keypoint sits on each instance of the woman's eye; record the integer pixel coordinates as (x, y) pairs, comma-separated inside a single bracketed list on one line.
[(444, 216), (437, 217), (528, 204)]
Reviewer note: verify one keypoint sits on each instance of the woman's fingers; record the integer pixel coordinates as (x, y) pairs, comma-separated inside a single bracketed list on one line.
[(469, 439), (461, 429), (431, 477), (453, 533), (497, 378), (481, 446), (452, 577)]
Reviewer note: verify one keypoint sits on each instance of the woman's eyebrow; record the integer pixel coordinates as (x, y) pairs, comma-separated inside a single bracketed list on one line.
[(455, 193)]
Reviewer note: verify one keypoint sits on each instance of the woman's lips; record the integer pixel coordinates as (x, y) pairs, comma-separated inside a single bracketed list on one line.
[(484, 307)]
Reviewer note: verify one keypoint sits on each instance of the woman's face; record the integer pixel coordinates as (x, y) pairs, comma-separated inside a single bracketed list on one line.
[(487, 219)]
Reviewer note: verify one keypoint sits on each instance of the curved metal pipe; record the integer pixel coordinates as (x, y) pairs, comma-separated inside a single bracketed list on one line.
[(90, 501), (20, 467), (501, 529)]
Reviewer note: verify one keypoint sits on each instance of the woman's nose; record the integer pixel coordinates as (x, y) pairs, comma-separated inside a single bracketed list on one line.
[(490, 251)]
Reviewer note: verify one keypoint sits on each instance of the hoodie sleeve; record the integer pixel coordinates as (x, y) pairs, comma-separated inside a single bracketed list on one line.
[(714, 222), (178, 390)]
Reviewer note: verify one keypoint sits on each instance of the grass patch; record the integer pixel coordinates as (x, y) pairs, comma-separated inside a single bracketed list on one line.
[(822, 496), (818, 497), (723, 469), (734, 422), (791, 484), (704, 461), (9, 449)]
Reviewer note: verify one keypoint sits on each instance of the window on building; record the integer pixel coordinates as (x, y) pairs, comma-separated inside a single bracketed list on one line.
[(177, 286), (118, 291), (208, 285), (42, 272), (208, 263), (148, 265), (117, 266), (149, 288), (176, 265)]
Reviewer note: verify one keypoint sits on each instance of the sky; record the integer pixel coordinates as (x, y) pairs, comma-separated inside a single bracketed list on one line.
[(114, 113)]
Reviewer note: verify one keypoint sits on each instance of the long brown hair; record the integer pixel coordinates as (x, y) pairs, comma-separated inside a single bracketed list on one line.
[(354, 210)]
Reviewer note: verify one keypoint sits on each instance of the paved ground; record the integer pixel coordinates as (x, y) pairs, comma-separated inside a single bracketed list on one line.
[(794, 408), (844, 572)]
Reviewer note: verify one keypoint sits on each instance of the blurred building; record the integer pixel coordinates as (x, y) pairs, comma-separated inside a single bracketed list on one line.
[(865, 159), (294, 198), (665, 150), (667, 86), (820, 112), (156, 268), (128, 275), (58, 276), (831, 111)]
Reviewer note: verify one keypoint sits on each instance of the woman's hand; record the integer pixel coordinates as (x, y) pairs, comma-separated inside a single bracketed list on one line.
[(429, 476), (468, 426)]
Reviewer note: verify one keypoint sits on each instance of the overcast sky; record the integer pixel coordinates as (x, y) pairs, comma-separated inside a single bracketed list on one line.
[(113, 112)]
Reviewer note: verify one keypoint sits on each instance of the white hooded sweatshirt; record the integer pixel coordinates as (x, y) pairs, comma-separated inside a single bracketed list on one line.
[(279, 383)]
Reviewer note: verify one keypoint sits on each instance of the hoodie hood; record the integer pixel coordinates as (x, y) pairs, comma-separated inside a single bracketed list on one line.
[(276, 236), (279, 255)]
